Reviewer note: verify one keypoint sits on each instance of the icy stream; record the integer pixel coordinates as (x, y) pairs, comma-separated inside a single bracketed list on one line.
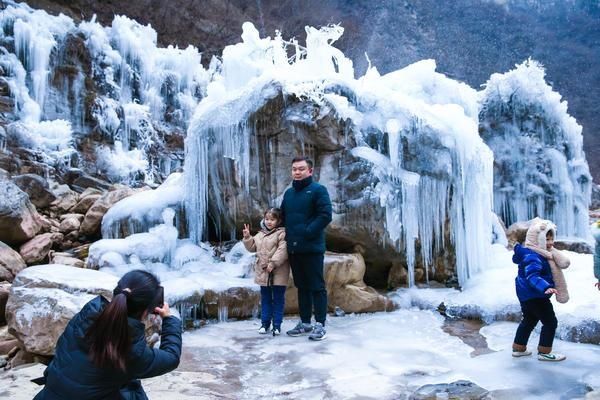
[(379, 356)]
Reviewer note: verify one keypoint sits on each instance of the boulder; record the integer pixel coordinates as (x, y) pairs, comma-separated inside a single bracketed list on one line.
[(36, 250), (4, 290), (93, 217), (19, 220), (65, 259), (11, 263), (85, 202), (44, 298), (37, 189), (235, 302), (464, 390), (345, 286), (7, 345), (575, 245), (65, 198), (70, 222)]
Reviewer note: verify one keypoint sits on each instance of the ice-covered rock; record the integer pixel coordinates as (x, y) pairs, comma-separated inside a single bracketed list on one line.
[(141, 211), (400, 154), (44, 298), (539, 164)]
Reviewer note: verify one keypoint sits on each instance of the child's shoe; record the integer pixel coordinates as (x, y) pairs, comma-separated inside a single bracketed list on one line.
[(551, 357), (263, 330), (276, 331), (521, 353)]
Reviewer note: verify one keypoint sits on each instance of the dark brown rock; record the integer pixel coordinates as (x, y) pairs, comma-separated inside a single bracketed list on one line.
[(4, 291), (7, 345)]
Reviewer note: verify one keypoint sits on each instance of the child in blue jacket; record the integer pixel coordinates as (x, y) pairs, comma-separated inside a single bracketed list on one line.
[(535, 285)]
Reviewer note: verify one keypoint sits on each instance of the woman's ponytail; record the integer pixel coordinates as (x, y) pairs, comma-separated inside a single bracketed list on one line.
[(108, 336)]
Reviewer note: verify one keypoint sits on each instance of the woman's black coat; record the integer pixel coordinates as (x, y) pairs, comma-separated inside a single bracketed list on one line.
[(72, 375)]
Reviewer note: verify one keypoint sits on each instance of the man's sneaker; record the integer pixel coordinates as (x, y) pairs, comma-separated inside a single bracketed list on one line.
[(521, 353), (300, 329), (318, 332), (551, 357), (263, 330), (276, 331)]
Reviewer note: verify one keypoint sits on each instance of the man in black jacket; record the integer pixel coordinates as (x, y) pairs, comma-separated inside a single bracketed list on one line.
[(306, 209)]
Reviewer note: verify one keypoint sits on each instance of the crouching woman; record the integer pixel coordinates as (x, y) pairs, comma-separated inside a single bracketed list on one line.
[(102, 353)]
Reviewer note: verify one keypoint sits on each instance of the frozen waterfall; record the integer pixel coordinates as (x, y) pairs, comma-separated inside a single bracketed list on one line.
[(540, 167), (71, 81), (448, 175)]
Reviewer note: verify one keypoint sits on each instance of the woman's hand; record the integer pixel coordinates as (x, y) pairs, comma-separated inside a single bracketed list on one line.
[(164, 312), (246, 231), (551, 291)]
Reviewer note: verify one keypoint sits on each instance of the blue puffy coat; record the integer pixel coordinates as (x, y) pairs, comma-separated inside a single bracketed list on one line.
[(72, 375), (306, 209), (535, 275)]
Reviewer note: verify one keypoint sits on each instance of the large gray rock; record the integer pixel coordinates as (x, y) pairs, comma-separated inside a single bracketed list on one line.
[(37, 188), (575, 245), (11, 263), (463, 390), (44, 298), (19, 220)]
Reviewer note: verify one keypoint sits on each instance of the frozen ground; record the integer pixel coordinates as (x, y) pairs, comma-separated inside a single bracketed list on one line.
[(376, 356), (490, 295)]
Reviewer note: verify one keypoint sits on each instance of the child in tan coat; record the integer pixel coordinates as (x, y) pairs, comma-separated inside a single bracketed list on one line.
[(271, 270)]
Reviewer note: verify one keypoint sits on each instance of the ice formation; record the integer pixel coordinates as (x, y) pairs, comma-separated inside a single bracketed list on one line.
[(139, 89), (184, 268), (540, 167), (144, 210), (411, 105)]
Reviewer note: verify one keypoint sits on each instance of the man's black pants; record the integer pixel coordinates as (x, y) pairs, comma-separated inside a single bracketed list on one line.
[(307, 270)]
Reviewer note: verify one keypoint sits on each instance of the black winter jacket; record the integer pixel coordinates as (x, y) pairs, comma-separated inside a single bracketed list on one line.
[(72, 375), (306, 209)]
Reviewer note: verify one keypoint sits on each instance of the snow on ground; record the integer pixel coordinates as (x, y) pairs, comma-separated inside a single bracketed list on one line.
[(370, 356), (490, 295)]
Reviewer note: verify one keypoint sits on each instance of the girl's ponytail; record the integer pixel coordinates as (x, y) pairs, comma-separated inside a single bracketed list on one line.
[(108, 336)]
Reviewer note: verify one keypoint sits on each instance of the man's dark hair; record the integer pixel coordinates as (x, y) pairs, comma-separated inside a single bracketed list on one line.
[(309, 162)]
